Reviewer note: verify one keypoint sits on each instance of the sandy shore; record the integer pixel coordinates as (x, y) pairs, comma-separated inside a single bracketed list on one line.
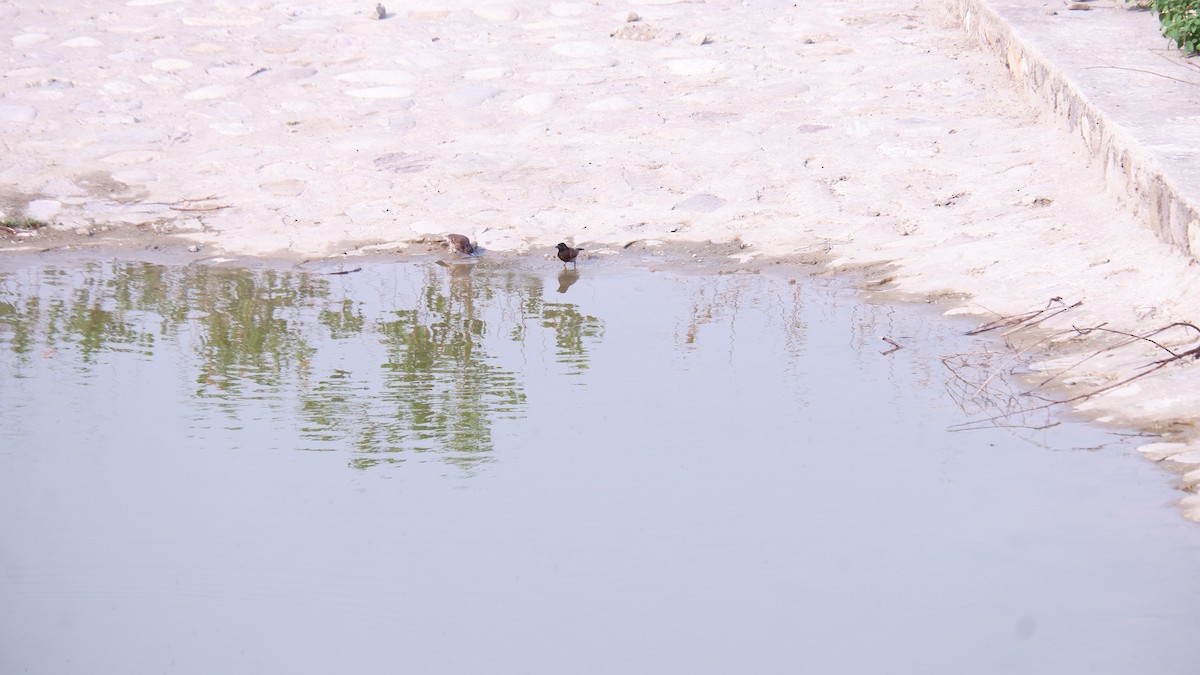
[(858, 135)]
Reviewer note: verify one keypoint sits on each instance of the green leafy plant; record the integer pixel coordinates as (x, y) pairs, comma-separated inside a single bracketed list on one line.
[(1180, 22)]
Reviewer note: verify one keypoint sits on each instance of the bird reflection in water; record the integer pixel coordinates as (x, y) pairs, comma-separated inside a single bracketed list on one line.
[(457, 269), (566, 278)]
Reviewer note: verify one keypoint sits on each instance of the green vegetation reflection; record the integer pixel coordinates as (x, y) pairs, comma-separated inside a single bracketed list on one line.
[(384, 372)]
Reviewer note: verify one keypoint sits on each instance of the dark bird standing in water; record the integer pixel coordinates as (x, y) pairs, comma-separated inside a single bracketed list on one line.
[(460, 243), (568, 254)]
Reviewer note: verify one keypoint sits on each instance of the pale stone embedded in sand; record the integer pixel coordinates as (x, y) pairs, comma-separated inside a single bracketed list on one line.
[(17, 113), (471, 95), (280, 170), (377, 77), (134, 135), (493, 73), (536, 104), (695, 66), (285, 188), (131, 157), (171, 65), (1191, 507), (612, 103), (578, 50), (380, 92), (1190, 457), (203, 48), (231, 129), (221, 22), (118, 88), (495, 11), (703, 203), (43, 209), (699, 39), (28, 39), (1159, 451), (631, 17), (904, 151), (569, 8), (279, 47), (858, 129), (208, 93), (82, 42)]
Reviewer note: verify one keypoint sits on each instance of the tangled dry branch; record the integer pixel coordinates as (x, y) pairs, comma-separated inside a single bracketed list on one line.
[(981, 384)]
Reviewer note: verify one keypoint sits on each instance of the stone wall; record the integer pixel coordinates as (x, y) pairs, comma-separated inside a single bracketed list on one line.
[(1130, 171)]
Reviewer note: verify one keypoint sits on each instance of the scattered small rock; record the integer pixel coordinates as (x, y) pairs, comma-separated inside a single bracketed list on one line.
[(631, 17), (951, 200), (194, 248), (1036, 200), (637, 32), (700, 39), (380, 12)]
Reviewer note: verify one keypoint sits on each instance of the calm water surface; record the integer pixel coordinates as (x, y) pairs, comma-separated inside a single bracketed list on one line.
[(417, 468)]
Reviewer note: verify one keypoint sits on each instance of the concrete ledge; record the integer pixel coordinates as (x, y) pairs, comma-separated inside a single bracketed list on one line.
[(1159, 191)]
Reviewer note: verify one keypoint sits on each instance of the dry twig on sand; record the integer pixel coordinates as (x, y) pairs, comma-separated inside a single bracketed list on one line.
[(190, 204), (980, 385)]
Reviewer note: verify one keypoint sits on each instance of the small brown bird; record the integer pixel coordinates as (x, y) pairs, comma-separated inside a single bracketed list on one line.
[(568, 254), (461, 244)]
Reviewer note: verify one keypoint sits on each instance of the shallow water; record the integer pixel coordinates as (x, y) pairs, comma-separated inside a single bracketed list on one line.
[(505, 469)]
